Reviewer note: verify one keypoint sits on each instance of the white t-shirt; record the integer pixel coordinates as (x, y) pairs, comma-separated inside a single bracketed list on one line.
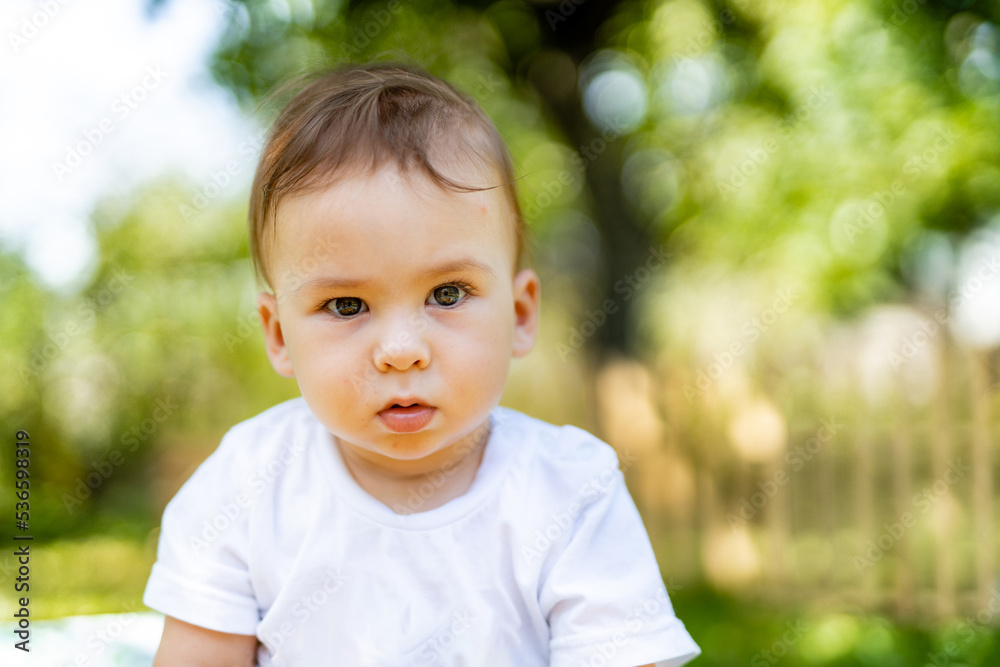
[(543, 561)]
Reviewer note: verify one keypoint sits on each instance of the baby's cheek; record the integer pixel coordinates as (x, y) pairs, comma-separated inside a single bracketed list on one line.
[(483, 362), (352, 379)]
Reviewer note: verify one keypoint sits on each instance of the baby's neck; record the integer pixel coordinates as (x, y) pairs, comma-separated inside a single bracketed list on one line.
[(422, 489)]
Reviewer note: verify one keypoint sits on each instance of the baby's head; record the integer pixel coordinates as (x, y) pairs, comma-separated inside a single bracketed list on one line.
[(385, 221), (359, 119)]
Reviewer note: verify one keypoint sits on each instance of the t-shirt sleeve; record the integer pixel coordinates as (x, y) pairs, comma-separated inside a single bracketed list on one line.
[(604, 597), (201, 574)]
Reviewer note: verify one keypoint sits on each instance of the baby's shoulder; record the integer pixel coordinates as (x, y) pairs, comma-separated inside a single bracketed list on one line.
[(565, 455), (289, 417), (278, 433), (255, 455)]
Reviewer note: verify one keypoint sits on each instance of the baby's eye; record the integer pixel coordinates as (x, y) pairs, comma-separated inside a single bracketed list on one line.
[(346, 306), (448, 295)]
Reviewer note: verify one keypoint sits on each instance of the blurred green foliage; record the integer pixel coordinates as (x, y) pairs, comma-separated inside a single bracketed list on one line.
[(738, 631), (753, 134)]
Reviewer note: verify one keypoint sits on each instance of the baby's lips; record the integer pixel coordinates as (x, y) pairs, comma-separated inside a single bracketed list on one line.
[(407, 420), (405, 403)]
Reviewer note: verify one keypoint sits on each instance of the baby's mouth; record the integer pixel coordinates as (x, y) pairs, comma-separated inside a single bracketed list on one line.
[(406, 416), (405, 406)]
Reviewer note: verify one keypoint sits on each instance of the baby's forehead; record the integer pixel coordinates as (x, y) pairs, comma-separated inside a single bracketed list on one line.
[(392, 222), (388, 198)]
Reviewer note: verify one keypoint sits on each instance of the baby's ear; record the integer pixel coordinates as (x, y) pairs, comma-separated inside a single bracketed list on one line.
[(274, 340), (527, 296)]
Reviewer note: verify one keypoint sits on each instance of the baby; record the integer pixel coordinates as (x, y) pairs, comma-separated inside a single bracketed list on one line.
[(395, 514)]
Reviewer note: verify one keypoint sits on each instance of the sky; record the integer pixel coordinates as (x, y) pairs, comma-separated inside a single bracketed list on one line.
[(104, 97)]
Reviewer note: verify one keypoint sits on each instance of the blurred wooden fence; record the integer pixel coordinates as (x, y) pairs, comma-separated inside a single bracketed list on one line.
[(777, 484)]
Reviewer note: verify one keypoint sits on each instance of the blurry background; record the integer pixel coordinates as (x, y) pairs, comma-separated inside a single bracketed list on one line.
[(769, 238)]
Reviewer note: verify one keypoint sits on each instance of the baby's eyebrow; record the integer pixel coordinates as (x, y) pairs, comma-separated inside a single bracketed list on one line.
[(458, 266)]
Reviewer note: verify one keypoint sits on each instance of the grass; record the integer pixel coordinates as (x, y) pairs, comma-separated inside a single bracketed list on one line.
[(96, 575), (732, 631)]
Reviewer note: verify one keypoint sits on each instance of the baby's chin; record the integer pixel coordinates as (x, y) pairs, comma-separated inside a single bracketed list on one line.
[(411, 446), (395, 445)]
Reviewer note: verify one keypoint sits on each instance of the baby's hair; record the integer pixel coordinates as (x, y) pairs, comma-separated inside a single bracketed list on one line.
[(358, 118)]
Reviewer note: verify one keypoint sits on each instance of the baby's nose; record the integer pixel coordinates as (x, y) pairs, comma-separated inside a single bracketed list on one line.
[(402, 347)]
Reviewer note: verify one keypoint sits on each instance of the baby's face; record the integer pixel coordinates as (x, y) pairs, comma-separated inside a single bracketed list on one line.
[(389, 289)]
